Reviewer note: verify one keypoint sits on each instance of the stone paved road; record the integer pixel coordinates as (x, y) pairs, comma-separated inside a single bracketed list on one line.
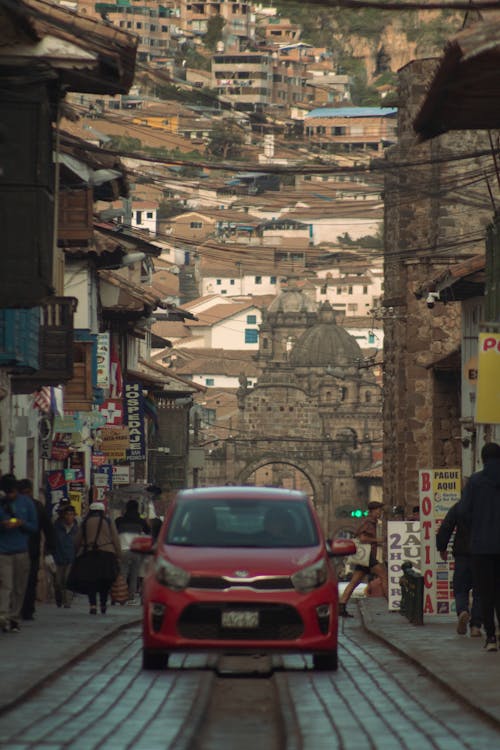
[(376, 701)]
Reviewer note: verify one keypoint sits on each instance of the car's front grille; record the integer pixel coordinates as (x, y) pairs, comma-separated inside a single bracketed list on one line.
[(261, 583), (277, 622)]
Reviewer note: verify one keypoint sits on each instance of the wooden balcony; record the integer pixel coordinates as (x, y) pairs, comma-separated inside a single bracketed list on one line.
[(56, 347)]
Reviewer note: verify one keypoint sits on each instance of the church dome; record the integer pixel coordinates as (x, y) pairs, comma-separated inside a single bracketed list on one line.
[(292, 301), (325, 343)]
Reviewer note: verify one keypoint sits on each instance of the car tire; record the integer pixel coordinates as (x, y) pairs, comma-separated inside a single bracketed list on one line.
[(154, 659), (326, 660)]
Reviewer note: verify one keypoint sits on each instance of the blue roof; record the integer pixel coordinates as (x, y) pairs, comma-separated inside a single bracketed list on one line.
[(352, 112)]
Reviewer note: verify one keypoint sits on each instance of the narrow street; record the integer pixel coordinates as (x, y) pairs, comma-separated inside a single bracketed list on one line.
[(377, 700)]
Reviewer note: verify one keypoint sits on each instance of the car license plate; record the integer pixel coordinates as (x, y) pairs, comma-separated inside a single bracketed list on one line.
[(240, 619)]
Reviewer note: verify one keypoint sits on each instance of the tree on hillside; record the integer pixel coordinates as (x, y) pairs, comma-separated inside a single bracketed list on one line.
[(215, 25), (225, 141)]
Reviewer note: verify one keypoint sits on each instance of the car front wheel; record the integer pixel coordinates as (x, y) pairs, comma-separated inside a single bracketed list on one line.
[(154, 659), (326, 660)]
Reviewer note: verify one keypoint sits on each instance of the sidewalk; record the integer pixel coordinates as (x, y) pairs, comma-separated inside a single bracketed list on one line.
[(458, 662), (55, 638)]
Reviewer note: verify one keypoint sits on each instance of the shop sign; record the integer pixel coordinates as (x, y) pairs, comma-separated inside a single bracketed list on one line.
[(133, 402), (121, 475), (439, 489), (103, 360), (112, 410), (403, 545)]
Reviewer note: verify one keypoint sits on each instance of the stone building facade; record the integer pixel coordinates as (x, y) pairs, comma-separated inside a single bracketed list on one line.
[(437, 206), (314, 409)]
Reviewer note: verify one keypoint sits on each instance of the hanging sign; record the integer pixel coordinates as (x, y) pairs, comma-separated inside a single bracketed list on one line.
[(133, 403)]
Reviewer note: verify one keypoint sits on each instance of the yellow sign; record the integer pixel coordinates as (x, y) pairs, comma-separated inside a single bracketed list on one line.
[(488, 381), (76, 499)]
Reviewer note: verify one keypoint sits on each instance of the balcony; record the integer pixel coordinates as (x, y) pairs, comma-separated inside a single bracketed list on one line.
[(55, 356)]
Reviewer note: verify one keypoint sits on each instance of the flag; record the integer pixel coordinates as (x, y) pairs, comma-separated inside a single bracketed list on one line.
[(56, 401), (42, 399), (116, 380)]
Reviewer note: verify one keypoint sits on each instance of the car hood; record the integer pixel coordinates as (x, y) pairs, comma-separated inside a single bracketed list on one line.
[(217, 561)]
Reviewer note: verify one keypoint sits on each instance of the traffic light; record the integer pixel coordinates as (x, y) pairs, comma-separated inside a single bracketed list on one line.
[(358, 513)]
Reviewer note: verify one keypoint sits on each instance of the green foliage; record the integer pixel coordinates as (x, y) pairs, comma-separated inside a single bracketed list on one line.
[(215, 25), (225, 141), (170, 207), (125, 143), (368, 241)]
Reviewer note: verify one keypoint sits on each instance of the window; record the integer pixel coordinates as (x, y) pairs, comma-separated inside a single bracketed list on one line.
[(352, 308), (231, 282), (209, 381), (138, 217), (339, 290), (338, 130), (149, 214), (365, 290), (251, 335), (371, 337), (350, 290), (251, 319), (258, 279), (195, 225), (218, 282), (272, 279)]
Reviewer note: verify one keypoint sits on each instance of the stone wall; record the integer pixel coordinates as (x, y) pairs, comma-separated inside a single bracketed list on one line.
[(435, 215)]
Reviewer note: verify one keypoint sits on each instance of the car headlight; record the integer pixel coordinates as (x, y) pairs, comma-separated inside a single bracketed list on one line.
[(311, 577), (170, 575)]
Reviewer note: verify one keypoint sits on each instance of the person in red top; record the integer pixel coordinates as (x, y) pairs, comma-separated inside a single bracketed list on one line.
[(367, 534)]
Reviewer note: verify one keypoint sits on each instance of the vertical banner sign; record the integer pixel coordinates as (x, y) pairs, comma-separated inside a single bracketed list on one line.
[(403, 545), (439, 489), (103, 360), (133, 416), (488, 378)]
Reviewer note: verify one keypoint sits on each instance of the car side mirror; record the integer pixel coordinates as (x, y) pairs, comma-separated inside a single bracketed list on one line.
[(142, 544), (341, 547)]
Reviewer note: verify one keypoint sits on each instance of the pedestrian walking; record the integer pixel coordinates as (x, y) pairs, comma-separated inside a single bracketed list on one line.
[(65, 531), (42, 538), (130, 525), (479, 508), (18, 520), (367, 534), (463, 587), (98, 553)]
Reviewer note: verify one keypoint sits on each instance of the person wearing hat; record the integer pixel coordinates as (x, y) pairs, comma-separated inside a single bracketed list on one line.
[(98, 542), (367, 534)]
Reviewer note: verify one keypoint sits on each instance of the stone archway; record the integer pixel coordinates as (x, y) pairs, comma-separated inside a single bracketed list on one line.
[(316, 486)]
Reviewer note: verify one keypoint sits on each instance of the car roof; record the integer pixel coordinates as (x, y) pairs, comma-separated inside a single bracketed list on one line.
[(235, 492)]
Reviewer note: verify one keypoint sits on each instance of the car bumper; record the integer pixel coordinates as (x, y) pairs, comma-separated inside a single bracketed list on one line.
[(193, 619)]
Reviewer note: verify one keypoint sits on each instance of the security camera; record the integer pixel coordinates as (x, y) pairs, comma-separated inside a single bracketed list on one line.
[(431, 300)]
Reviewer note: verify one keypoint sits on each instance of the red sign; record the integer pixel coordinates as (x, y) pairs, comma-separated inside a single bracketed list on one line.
[(112, 409)]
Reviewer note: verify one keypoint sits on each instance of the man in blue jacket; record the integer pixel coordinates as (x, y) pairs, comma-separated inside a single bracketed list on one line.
[(480, 510), (18, 520)]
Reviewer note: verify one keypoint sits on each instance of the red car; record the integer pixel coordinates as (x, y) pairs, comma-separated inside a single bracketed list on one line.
[(241, 568)]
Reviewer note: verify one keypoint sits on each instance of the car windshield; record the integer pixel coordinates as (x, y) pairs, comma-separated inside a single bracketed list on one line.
[(242, 523)]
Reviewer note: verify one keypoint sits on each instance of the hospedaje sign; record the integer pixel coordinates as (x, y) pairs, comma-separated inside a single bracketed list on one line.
[(439, 489), (488, 379), (133, 416)]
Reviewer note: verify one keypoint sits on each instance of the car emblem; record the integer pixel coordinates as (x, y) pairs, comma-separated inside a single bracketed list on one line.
[(241, 573)]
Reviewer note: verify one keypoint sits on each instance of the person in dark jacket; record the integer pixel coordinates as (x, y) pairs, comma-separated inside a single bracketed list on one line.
[(65, 531), (25, 487), (480, 510), (129, 526), (463, 586)]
